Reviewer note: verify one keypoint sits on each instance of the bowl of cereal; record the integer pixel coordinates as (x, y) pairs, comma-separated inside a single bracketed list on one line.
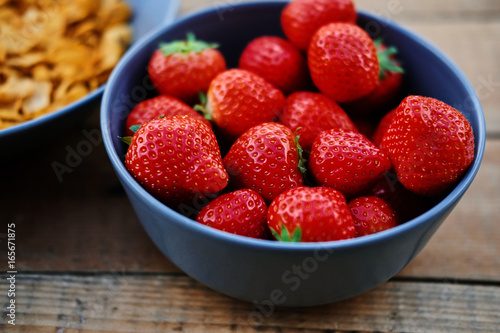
[(57, 57), (267, 272)]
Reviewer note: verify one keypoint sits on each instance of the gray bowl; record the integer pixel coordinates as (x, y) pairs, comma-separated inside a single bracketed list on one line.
[(270, 273)]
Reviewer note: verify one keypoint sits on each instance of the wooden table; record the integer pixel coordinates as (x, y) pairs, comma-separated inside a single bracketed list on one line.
[(84, 263)]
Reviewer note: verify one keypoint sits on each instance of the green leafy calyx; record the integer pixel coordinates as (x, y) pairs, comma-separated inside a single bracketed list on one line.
[(386, 59), (203, 106), (128, 139), (285, 235), (302, 159), (135, 128), (190, 44)]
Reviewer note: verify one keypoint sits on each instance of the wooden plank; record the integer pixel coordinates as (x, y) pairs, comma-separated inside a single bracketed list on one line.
[(114, 303)]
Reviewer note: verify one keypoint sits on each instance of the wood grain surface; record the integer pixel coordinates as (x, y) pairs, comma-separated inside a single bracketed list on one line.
[(172, 302), (86, 265)]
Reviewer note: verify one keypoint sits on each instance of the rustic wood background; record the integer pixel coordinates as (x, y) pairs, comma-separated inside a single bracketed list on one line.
[(86, 265)]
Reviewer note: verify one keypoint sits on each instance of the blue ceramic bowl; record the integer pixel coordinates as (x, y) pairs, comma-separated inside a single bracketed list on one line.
[(265, 272), (20, 138)]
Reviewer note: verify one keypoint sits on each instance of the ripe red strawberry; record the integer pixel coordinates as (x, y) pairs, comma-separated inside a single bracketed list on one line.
[(184, 68), (238, 100), (301, 18), (176, 159), (384, 96), (343, 62), (382, 127), (310, 214), (307, 114), (265, 159), (159, 106), (277, 61), (347, 161), (371, 215), (241, 212), (430, 144)]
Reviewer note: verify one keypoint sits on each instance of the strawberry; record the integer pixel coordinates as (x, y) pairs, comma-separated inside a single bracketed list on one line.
[(343, 62), (276, 60), (238, 100), (265, 159), (241, 212), (384, 96), (430, 144), (301, 18), (307, 114), (347, 161), (382, 127), (310, 214), (184, 68), (176, 159), (162, 105), (371, 215)]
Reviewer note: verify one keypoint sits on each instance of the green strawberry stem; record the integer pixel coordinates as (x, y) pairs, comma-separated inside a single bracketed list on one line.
[(190, 44), (128, 139), (135, 128), (302, 159), (202, 107), (285, 235), (386, 62)]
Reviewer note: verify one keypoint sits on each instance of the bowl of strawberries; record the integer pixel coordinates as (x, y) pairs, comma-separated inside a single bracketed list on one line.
[(290, 154)]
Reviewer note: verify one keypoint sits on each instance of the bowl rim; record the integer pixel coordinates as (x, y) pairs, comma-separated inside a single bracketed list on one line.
[(444, 204), (171, 12)]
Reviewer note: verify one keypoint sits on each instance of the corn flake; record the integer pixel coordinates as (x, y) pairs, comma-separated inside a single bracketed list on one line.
[(39, 100), (54, 52)]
